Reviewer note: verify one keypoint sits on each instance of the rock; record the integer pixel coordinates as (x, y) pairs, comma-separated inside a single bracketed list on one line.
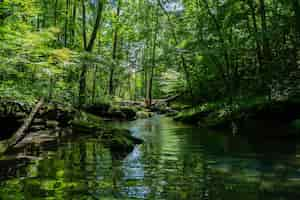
[(115, 139), (143, 114), (192, 117), (129, 112), (120, 140), (116, 114), (98, 109), (57, 113)]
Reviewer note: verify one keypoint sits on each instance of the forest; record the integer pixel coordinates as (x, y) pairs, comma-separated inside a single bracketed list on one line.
[(89, 51), (70, 68)]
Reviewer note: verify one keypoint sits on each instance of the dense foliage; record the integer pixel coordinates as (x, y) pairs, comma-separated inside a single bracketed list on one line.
[(82, 51)]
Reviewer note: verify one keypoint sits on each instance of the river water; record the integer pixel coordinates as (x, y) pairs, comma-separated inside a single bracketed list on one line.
[(175, 162)]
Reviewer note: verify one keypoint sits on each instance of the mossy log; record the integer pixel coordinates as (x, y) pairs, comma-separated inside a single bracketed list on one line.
[(21, 132)]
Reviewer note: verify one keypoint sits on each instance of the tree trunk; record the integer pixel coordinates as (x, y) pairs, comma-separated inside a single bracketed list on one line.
[(55, 12), (84, 24), (296, 8), (150, 78), (266, 44), (254, 22), (88, 48), (114, 52), (72, 36), (94, 84), (266, 79), (20, 134), (66, 23)]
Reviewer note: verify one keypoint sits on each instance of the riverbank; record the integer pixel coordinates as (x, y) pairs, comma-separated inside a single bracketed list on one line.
[(278, 118), (52, 121)]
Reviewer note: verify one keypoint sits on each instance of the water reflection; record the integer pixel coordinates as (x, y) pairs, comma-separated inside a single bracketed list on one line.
[(176, 162)]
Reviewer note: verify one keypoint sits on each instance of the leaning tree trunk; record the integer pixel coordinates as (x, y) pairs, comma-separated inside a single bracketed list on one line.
[(21, 132)]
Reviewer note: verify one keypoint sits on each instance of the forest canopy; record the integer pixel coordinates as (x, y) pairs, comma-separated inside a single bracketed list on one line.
[(87, 51)]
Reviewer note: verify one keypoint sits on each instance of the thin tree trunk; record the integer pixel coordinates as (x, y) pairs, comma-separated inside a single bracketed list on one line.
[(254, 22), (150, 79), (94, 84), (73, 32), (66, 23), (84, 24), (88, 48), (114, 52), (266, 44), (296, 8), (38, 22), (55, 12), (266, 49)]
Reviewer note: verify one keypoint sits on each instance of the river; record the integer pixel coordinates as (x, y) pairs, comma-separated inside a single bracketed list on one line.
[(175, 162)]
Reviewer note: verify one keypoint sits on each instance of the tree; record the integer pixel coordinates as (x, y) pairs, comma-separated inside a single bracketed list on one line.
[(88, 46)]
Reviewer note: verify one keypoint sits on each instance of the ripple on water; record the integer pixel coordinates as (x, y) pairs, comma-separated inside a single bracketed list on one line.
[(175, 162)]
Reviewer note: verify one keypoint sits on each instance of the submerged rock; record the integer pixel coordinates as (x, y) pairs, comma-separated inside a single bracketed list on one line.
[(109, 112), (120, 140)]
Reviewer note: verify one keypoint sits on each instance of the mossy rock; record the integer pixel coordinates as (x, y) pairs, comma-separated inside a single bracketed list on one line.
[(143, 114), (120, 139), (82, 126), (129, 112), (191, 117), (98, 109), (179, 107), (60, 113), (116, 139), (218, 119), (116, 112)]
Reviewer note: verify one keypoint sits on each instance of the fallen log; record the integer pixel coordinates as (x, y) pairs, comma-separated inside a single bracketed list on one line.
[(21, 132)]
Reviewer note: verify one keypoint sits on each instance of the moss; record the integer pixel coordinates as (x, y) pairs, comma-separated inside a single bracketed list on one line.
[(179, 106), (194, 115), (105, 110), (144, 114), (116, 139), (218, 119), (257, 111)]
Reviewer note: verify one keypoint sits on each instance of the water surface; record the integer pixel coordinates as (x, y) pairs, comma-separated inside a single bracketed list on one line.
[(176, 162)]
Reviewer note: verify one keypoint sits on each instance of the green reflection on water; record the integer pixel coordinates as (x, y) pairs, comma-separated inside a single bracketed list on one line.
[(176, 162)]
